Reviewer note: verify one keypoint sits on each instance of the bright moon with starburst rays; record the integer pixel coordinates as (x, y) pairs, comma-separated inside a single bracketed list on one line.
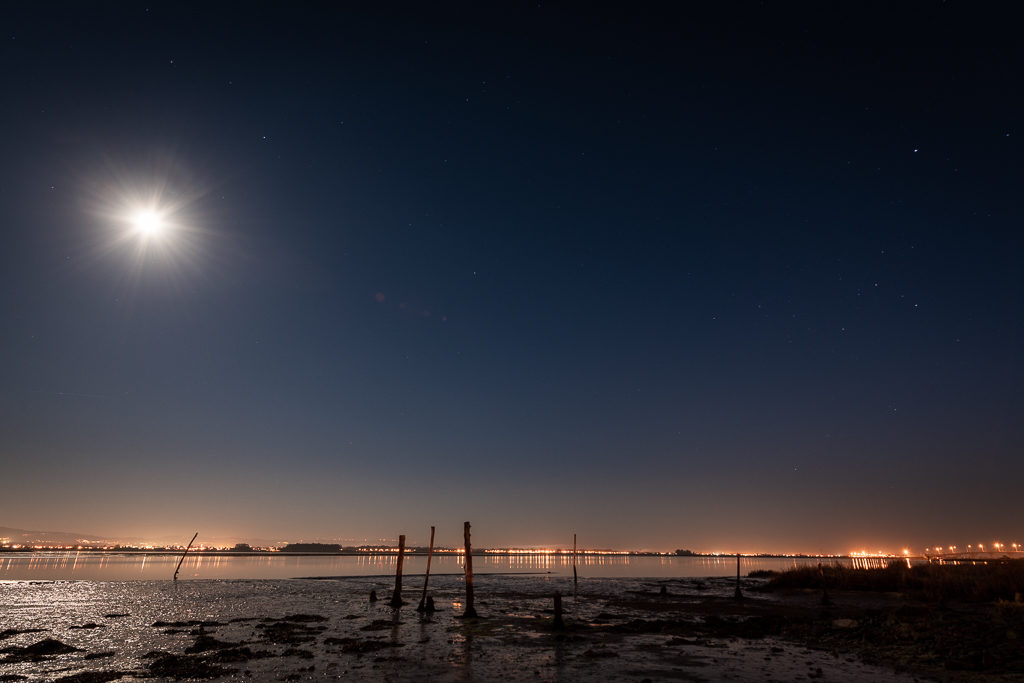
[(150, 214), (148, 223)]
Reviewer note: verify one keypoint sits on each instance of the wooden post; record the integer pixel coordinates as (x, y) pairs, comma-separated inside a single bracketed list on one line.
[(739, 595), (470, 610), (573, 564), (426, 577), (558, 623), (183, 555), (396, 597)]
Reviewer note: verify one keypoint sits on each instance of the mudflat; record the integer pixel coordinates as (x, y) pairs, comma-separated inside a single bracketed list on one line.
[(613, 629)]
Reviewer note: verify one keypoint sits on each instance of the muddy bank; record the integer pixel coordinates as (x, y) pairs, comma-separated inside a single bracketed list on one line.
[(613, 630)]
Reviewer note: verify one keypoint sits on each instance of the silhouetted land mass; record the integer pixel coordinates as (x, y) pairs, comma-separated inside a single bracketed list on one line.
[(312, 548)]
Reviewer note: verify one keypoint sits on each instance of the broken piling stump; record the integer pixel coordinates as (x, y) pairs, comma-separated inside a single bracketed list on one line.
[(557, 623)]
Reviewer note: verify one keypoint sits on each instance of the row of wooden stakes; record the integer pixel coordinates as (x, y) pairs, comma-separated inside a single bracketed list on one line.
[(427, 602)]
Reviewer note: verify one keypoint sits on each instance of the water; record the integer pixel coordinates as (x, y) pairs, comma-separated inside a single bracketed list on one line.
[(96, 566)]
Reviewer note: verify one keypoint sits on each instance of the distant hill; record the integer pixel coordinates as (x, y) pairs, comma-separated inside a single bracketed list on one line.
[(311, 548), (27, 537)]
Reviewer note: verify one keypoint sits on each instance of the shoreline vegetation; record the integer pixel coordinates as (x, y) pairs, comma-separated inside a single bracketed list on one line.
[(950, 622)]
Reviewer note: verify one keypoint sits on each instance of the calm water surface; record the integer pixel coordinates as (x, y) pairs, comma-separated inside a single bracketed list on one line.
[(92, 566)]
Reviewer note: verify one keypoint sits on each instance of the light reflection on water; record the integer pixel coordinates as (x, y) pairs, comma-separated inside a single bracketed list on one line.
[(97, 566)]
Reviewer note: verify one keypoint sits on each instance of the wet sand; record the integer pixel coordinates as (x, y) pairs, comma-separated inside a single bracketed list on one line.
[(305, 629)]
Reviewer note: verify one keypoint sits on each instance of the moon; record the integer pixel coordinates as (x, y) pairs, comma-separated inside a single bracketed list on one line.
[(148, 223)]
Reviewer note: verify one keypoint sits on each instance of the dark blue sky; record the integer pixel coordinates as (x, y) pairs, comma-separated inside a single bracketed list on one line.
[(747, 277)]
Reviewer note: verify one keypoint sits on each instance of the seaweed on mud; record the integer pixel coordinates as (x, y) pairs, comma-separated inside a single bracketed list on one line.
[(205, 643), (100, 655), (931, 641), (288, 633), (93, 677), (177, 667), (90, 625), (37, 652), (297, 675), (637, 626), (183, 624), (297, 652), (115, 615), (360, 647), (296, 619), (750, 628), (4, 678), (380, 625), (237, 654), (339, 641)]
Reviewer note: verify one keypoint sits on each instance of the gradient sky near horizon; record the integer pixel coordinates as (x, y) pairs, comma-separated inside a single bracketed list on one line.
[(746, 277)]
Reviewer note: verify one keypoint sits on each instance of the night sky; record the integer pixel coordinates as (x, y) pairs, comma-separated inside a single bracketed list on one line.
[(742, 278)]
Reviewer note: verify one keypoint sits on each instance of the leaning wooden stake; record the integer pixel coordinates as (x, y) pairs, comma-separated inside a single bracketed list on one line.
[(739, 595), (396, 597), (183, 556), (426, 577), (470, 611)]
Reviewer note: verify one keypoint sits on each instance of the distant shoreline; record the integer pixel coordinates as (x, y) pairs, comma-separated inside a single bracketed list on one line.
[(408, 551)]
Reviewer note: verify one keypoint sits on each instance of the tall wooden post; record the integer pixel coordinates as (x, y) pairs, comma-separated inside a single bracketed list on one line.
[(470, 610), (426, 577), (557, 622), (739, 595), (574, 564), (396, 597)]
